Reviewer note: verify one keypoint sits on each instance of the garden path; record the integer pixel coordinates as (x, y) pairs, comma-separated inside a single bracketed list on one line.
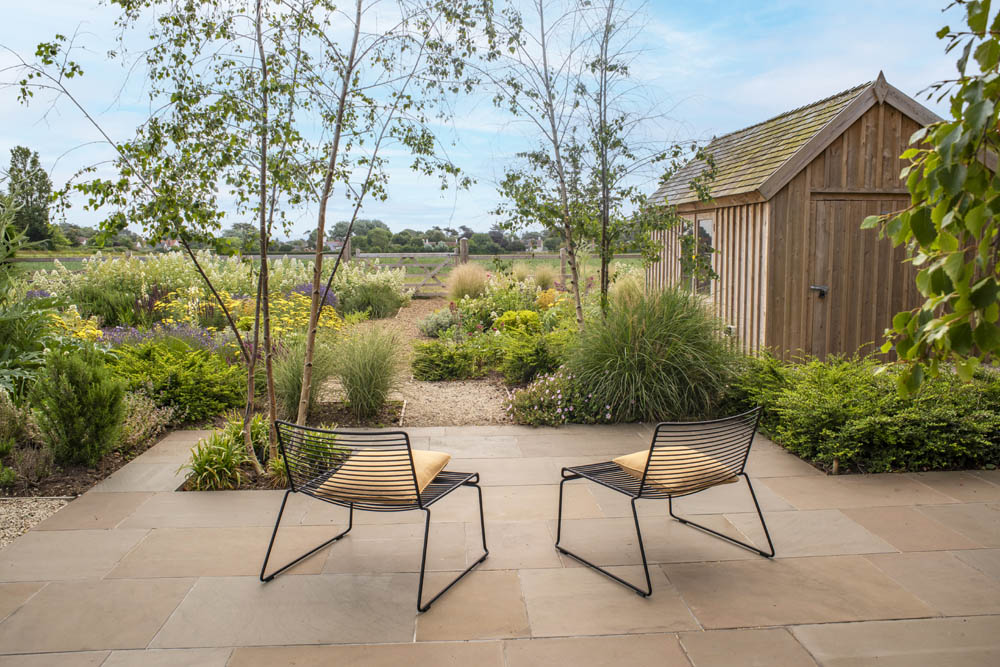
[(886, 569)]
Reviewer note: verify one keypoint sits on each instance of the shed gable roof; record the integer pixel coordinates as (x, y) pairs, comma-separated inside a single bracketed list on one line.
[(759, 158)]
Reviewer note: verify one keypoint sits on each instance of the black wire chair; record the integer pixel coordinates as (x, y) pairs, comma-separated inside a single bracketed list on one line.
[(367, 471), (684, 458)]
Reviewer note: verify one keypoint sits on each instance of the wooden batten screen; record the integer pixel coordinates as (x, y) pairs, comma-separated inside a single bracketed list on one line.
[(740, 260)]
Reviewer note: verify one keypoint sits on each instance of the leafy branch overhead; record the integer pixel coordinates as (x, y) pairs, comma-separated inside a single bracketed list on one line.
[(951, 226)]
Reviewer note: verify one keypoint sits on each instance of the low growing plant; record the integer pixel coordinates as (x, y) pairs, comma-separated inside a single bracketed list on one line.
[(144, 421), (437, 322), (215, 463)]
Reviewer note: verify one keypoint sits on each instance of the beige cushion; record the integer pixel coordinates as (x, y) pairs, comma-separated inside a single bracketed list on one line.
[(695, 470), (358, 479)]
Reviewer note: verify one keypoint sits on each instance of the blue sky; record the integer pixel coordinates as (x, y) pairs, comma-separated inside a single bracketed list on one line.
[(710, 66)]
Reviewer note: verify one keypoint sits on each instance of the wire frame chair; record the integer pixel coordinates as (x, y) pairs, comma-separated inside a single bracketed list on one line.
[(683, 458), (370, 471)]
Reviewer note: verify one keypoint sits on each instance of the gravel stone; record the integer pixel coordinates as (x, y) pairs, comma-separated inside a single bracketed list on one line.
[(19, 515)]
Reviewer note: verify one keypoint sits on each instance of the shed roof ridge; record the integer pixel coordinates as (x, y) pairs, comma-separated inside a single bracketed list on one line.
[(856, 89)]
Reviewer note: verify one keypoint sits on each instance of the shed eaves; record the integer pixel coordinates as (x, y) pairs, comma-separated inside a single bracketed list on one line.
[(744, 159)]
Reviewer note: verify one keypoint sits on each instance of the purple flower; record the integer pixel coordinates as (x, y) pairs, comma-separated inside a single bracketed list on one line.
[(306, 289), (37, 294)]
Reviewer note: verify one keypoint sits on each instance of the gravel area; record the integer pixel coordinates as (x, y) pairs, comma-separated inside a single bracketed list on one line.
[(455, 403), (19, 515)]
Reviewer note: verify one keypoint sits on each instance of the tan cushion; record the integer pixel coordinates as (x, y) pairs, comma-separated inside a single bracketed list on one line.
[(359, 478), (695, 470)]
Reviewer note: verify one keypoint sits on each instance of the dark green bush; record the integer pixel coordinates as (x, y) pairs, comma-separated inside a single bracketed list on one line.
[(113, 307), (441, 360), (661, 356), (526, 356), (850, 411), (196, 383), (377, 299), (80, 406)]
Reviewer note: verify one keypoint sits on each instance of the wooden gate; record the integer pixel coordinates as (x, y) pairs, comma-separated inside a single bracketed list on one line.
[(423, 269)]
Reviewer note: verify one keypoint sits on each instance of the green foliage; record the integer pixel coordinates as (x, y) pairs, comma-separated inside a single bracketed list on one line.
[(442, 360), (849, 411), (367, 365), (112, 305), (80, 406), (143, 422), (519, 322), (29, 189), (232, 430), (500, 295), (215, 463), (554, 399), (196, 383), (437, 322), (7, 476), (951, 225), (378, 300), (663, 357), (466, 281), (526, 355), (287, 370)]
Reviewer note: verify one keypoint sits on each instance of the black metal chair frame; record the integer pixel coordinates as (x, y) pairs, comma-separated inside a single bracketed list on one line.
[(442, 485), (732, 452)]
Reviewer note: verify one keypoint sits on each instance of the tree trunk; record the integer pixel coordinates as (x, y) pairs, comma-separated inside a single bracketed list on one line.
[(314, 309)]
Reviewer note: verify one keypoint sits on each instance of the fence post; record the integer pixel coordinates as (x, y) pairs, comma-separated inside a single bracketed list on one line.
[(347, 249), (463, 251), (562, 265)]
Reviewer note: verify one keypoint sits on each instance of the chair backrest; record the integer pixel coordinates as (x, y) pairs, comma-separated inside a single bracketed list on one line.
[(367, 469), (696, 455)]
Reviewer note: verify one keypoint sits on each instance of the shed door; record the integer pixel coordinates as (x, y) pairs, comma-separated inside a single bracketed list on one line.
[(857, 282)]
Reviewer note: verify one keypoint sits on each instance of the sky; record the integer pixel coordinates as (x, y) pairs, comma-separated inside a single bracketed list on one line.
[(707, 68)]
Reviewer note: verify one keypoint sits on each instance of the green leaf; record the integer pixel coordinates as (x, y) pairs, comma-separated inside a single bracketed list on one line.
[(966, 369), (984, 293), (870, 222), (954, 266), (922, 226), (975, 219), (978, 14), (960, 338), (900, 320), (987, 54), (987, 337)]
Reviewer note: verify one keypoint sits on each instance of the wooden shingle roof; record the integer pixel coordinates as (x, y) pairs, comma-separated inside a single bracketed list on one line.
[(747, 158)]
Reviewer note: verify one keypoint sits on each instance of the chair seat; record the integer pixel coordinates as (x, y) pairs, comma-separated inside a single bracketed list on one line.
[(611, 475), (444, 483)]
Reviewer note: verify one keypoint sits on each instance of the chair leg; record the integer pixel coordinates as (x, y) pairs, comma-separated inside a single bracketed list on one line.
[(423, 556), (760, 515), (638, 534), (263, 568)]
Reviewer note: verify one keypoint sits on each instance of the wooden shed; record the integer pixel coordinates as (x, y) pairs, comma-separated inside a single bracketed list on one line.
[(796, 272)]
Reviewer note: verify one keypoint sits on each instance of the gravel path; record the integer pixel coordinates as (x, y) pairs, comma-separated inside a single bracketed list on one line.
[(18, 515)]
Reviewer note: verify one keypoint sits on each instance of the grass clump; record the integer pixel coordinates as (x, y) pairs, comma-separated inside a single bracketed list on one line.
[(662, 357), (287, 369), (215, 463), (367, 364), (466, 280), (545, 276)]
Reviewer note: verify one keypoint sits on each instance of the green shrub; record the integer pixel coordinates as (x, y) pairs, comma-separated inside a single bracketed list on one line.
[(287, 370), (466, 280), (144, 420), (80, 406), (7, 477), (215, 463), (663, 357), (112, 306), (554, 399), (438, 322), (501, 295), (849, 411), (367, 364), (440, 360), (196, 383), (526, 355), (377, 299), (519, 321)]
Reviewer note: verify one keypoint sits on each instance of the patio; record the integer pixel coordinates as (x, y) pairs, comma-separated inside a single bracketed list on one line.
[(891, 569)]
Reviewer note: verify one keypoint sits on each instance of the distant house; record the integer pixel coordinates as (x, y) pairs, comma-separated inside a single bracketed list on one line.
[(334, 245), (167, 244), (796, 272)]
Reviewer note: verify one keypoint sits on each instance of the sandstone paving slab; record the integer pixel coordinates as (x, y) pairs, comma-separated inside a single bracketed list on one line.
[(313, 609), (812, 533), (449, 654), (517, 503), (216, 509), (66, 554), (944, 582), (13, 595), (477, 447), (943, 642), (395, 548), (908, 529), (769, 460), (961, 486), (138, 477), (850, 491), (483, 605), (95, 510), (989, 475), (661, 650), (218, 552), (606, 446), (771, 647), (318, 513), (978, 522), (509, 471), (580, 601), (177, 452), (613, 541), (513, 545), (784, 591), (92, 615), (189, 657), (77, 659), (986, 561)]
